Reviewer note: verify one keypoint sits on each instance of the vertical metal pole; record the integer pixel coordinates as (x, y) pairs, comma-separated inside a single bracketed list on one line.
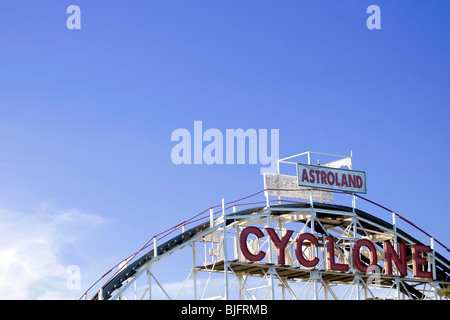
[(311, 194), (272, 285), (266, 192), (312, 220), (397, 281), (358, 288), (211, 217), (394, 224), (149, 275), (155, 248), (239, 276), (315, 289), (237, 254), (436, 293), (353, 202), (269, 256), (271, 272), (224, 246), (432, 261), (394, 227), (194, 272), (278, 171), (324, 252), (351, 159), (236, 237)]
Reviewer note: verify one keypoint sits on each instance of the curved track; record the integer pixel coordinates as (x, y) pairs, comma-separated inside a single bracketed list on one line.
[(321, 219)]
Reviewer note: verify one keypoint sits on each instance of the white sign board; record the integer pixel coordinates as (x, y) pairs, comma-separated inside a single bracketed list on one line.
[(282, 185), (331, 178)]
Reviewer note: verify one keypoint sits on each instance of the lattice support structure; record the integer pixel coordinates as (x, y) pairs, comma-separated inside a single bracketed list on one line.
[(215, 266)]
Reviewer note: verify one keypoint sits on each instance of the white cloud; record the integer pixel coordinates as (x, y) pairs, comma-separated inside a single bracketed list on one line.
[(31, 264)]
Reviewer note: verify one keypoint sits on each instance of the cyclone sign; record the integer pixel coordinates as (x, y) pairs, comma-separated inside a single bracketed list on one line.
[(390, 254), (331, 178)]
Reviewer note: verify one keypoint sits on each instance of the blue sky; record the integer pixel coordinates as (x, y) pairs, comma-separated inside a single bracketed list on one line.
[(87, 115)]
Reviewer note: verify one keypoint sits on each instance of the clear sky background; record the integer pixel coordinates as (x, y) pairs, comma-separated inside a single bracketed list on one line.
[(86, 116)]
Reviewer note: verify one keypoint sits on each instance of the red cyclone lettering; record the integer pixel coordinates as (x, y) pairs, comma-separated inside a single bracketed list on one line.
[(298, 250), (280, 244), (419, 261), (243, 244), (332, 265), (399, 259), (356, 256)]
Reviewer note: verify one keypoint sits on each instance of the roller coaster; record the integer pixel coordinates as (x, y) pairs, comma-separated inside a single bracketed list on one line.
[(279, 247)]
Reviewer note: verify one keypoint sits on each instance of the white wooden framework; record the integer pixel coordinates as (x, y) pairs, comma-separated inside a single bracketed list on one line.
[(207, 262), (205, 257)]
